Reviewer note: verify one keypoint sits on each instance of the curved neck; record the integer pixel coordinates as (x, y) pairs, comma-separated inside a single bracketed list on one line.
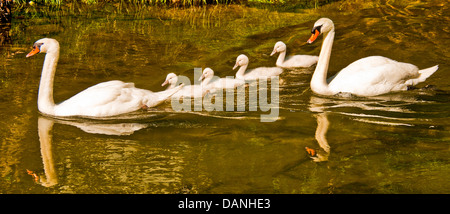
[(241, 71), (206, 81), (45, 97), (319, 83), (172, 85), (281, 58)]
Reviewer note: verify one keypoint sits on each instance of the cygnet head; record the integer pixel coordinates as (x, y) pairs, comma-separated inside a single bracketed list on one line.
[(278, 48), (43, 46), (241, 60), (207, 72), (323, 25), (171, 79)]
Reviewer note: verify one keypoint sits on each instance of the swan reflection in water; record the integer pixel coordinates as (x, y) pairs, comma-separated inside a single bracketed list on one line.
[(322, 127), (389, 110), (45, 126), (45, 138)]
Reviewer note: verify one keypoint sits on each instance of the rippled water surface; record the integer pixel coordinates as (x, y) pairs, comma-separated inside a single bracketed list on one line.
[(396, 143)]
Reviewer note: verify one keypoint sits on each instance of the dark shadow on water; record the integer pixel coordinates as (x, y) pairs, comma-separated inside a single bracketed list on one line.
[(5, 11), (5, 38), (5, 22)]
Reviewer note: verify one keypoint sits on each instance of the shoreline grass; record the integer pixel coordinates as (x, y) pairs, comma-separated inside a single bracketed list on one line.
[(136, 6)]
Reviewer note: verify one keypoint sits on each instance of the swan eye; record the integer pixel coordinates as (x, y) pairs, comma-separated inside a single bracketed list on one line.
[(37, 45), (313, 31)]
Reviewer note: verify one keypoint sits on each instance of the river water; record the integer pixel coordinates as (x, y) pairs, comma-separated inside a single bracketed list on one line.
[(396, 143)]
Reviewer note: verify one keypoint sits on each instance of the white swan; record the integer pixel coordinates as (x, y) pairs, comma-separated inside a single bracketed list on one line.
[(222, 83), (192, 91), (255, 73), (101, 100), (295, 61), (368, 76)]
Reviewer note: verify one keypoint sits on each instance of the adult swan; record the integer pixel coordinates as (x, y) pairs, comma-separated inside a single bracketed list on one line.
[(101, 100), (368, 76)]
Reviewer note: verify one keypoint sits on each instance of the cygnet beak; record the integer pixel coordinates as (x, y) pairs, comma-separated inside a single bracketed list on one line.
[(165, 83), (273, 52), (202, 77)]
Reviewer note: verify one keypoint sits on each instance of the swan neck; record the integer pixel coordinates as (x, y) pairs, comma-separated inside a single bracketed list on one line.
[(206, 81), (171, 85), (319, 83), (45, 97), (281, 58), (241, 71)]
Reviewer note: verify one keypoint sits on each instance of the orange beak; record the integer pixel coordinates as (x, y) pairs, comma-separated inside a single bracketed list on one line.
[(310, 151), (313, 37), (34, 51)]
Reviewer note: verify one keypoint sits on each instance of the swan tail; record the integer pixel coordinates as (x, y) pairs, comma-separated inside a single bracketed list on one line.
[(424, 74)]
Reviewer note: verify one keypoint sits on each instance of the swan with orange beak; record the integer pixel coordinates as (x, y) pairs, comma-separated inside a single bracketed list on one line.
[(369, 76), (102, 100)]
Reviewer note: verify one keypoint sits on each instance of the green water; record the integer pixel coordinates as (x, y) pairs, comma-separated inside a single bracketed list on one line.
[(398, 143)]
